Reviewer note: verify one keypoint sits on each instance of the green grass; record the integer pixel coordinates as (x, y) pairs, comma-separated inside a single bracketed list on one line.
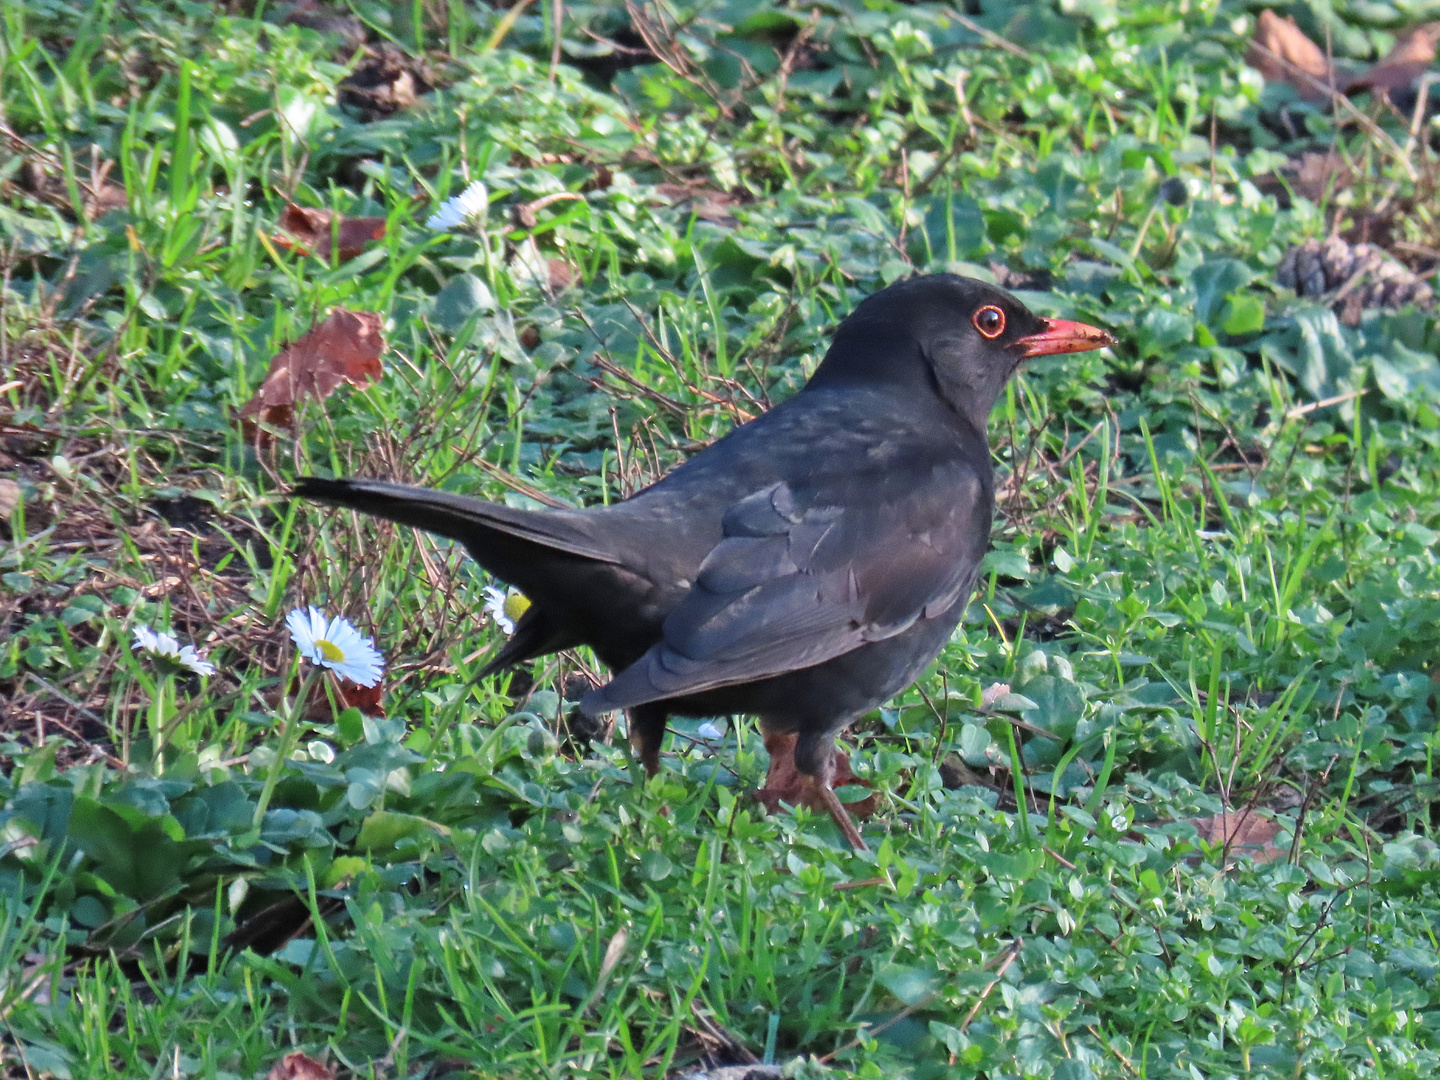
[(1213, 592)]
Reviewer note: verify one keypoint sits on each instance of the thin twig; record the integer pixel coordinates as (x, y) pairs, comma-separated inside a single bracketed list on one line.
[(1010, 956), (1304, 410)]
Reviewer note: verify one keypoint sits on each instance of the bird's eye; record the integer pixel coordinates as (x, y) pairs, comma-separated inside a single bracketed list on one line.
[(990, 321)]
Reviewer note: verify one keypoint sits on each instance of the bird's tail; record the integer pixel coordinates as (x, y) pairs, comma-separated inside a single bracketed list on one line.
[(538, 550), (475, 523)]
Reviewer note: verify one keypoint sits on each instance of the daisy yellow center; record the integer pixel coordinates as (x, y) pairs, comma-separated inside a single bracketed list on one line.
[(516, 604), (329, 650)]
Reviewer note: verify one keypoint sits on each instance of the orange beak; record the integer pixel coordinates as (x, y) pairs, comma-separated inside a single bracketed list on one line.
[(1063, 336)]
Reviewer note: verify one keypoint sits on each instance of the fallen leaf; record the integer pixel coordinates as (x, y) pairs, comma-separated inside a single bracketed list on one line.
[(1400, 69), (705, 203), (347, 695), (1316, 175), (312, 232), (345, 348), (9, 497), (562, 274), (1244, 832), (1281, 52), (783, 783), (298, 1066)]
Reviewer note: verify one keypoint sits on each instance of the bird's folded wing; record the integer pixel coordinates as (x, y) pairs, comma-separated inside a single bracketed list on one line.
[(800, 579)]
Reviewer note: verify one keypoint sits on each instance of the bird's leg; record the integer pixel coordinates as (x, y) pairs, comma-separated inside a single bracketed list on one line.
[(815, 761), (647, 732)]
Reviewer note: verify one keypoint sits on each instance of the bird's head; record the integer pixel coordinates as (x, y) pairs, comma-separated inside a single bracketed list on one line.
[(955, 336)]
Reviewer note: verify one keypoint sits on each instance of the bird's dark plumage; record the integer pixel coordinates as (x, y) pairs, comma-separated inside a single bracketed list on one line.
[(805, 567)]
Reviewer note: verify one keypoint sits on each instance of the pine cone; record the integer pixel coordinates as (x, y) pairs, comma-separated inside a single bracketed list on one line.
[(1350, 277)]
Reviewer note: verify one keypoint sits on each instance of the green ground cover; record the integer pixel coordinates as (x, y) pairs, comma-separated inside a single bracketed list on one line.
[(1213, 583)]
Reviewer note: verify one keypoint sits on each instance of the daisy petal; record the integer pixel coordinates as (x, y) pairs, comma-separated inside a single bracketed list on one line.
[(159, 643), (495, 604), (335, 644), (191, 659), (473, 202)]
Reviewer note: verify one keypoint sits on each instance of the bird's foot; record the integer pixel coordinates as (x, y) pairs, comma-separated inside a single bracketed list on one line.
[(827, 797), (784, 782)]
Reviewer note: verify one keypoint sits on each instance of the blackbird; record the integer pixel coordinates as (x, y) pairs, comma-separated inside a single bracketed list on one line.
[(803, 568)]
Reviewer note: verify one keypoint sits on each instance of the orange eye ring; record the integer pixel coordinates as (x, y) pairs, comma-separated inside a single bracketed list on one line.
[(990, 321)]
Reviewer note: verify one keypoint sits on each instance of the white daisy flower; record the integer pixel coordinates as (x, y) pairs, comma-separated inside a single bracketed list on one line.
[(470, 203), (335, 644), (159, 643), (506, 606), (707, 730)]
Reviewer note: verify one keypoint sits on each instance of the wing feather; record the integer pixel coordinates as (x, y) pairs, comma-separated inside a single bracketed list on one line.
[(804, 576)]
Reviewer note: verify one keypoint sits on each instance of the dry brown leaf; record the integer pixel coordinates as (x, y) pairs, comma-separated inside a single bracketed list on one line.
[(9, 497), (1400, 69), (347, 695), (298, 1066), (783, 783), (705, 203), (312, 231), (1280, 50), (561, 274), (1242, 832), (345, 348), (1316, 175)]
